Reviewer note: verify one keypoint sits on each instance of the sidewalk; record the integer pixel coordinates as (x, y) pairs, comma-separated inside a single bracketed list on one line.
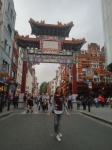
[(103, 114), (5, 113), (12, 110)]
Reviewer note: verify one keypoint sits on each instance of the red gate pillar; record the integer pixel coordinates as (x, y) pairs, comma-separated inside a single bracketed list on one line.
[(74, 85), (23, 84)]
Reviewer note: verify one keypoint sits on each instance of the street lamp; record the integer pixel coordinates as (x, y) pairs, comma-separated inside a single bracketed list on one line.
[(89, 83)]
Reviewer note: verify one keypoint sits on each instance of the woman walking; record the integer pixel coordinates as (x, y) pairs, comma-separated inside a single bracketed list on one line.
[(29, 104), (57, 108)]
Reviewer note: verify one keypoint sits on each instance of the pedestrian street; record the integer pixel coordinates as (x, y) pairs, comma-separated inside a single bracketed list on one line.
[(34, 131)]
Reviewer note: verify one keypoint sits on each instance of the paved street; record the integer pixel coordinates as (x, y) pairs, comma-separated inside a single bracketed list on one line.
[(21, 131)]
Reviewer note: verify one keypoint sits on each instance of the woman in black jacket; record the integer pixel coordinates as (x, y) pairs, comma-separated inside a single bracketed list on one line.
[(30, 104)]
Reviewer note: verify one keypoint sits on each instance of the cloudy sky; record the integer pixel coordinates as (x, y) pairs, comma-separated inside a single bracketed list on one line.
[(85, 14)]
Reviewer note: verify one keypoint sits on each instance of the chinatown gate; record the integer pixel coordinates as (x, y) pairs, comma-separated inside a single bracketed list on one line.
[(49, 46)]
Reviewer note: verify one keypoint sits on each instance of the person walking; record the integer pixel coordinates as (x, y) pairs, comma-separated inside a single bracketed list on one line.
[(50, 100), (29, 104), (24, 100), (44, 104), (9, 102), (96, 101), (57, 109), (83, 99), (102, 100), (15, 101), (47, 100), (70, 105), (78, 100)]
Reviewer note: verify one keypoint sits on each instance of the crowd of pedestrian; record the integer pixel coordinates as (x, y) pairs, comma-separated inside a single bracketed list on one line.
[(44, 101), (84, 100)]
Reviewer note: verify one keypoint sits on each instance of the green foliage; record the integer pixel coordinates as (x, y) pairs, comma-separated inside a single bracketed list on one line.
[(43, 88)]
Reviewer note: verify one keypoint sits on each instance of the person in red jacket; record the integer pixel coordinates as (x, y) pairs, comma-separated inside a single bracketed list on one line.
[(102, 100)]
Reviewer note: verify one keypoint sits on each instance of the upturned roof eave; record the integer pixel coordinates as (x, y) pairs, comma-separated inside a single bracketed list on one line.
[(43, 24), (58, 30)]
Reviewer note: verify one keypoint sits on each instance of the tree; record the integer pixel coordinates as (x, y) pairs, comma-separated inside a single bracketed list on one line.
[(43, 88)]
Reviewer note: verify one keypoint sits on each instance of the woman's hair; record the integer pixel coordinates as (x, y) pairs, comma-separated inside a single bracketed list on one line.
[(57, 89)]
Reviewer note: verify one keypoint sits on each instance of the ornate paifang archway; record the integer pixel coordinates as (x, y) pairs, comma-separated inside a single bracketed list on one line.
[(49, 45)]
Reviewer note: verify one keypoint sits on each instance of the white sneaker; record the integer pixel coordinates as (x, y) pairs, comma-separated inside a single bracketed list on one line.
[(58, 138), (60, 135)]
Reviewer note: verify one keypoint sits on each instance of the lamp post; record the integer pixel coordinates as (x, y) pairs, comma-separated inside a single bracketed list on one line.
[(89, 100), (88, 77)]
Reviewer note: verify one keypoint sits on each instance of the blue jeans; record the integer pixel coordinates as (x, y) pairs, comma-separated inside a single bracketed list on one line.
[(57, 123)]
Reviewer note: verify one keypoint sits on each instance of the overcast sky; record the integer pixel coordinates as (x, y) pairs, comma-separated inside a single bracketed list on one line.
[(85, 14)]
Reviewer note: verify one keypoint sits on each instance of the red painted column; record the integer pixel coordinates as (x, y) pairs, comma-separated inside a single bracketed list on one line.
[(23, 84), (74, 83)]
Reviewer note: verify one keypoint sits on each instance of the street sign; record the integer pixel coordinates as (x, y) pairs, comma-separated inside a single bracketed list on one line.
[(4, 75), (4, 70)]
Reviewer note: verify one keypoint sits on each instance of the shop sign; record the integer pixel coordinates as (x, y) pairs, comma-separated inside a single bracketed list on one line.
[(4, 70)]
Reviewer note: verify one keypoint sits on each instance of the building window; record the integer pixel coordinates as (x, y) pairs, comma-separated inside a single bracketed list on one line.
[(13, 74), (8, 7), (96, 78), (103, 53), (0, 5), (52, 86), (104, 66), (14, 59), (15, 45), (96, 53), (13, 19), (5, 45), (107, 79), (11, 13), (95, 64), (9, 50), (83, 52), (91, 53), (9, 29), (52, 92)]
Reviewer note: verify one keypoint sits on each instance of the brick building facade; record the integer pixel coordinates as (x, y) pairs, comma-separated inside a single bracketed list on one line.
[(93, 58)]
